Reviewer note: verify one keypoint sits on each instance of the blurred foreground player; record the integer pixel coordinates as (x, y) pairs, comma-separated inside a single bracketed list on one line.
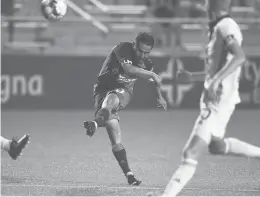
[(14, 147), (114, 88), (224, 58)]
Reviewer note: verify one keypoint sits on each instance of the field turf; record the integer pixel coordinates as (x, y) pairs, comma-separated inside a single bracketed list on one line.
[(62, 160)]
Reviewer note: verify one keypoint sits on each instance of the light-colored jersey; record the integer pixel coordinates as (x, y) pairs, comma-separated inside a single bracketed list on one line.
[(217, 56)]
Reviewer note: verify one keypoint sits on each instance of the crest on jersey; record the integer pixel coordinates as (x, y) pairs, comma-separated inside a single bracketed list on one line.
[(126, 79)]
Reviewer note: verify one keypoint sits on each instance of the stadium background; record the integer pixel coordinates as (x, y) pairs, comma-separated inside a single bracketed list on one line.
[(47, 75)]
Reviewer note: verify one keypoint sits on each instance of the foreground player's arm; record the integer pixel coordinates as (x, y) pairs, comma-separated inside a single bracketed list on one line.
[(238, 59), (198, 76), (186, 76), (232, 37)]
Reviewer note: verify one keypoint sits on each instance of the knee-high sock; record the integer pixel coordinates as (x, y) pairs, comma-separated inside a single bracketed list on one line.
[(180, 178), (120, 155)]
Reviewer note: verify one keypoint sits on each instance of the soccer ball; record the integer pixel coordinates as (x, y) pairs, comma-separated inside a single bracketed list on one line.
[(53, 10)]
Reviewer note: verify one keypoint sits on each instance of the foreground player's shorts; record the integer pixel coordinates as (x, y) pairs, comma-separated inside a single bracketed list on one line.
[(124, 98), (212, 122)]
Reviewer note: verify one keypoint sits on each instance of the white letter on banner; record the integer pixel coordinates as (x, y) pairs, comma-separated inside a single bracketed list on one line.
[(5, 88), (35, 85), (19, 79)]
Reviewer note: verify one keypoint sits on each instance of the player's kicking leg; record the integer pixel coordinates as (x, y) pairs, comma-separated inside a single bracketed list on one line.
[(14, 147), (104, 103), (107, 116)]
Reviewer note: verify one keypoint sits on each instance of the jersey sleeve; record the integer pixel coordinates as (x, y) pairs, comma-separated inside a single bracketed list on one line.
[(230, 31), (123, 53)]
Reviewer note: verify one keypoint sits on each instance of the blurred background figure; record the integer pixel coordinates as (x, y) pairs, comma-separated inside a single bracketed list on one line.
[(121, 18), (257, 7), (7, 9), (195, 10), (164, 31)]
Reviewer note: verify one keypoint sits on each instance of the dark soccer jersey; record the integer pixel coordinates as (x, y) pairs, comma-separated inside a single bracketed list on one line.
[(112, 74)]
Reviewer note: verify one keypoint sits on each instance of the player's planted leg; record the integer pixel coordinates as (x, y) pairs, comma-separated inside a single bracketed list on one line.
[(187, 169), (114, 133), (110, 103), (234, 147)]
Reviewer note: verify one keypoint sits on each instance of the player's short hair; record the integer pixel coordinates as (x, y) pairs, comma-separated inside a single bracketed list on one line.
[(145, 38)]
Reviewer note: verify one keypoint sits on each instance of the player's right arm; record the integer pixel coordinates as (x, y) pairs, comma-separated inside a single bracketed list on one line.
[(198, 76), (186, 76), (139, 72), (124, 55)]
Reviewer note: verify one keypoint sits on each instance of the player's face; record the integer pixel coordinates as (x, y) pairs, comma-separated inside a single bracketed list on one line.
[(143, 51)]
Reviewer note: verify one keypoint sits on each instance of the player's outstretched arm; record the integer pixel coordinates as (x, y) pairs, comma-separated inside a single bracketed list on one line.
[(161, 101), (190, 77), (141, 73), (198, 76), (238, 59)]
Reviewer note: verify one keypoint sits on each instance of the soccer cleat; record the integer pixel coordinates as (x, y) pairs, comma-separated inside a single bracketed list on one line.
[(91, 127), (16, 146), (132, 180)]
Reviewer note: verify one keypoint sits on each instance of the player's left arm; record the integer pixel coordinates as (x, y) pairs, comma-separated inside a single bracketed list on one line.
[(234, 47), (161, 101), (238, 59), (157, 89)]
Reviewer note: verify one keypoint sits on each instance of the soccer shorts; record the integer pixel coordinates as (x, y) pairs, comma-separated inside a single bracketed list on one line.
[(124, 98), (212, 122)]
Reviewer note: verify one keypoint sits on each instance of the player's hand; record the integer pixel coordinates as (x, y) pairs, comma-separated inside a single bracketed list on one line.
[(157, 80), (184, 75), (213, 92), (162, 103)]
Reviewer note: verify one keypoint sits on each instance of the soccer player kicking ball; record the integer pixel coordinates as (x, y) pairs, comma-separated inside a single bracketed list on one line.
[(224, 58), (14, 147), (114, 88)]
